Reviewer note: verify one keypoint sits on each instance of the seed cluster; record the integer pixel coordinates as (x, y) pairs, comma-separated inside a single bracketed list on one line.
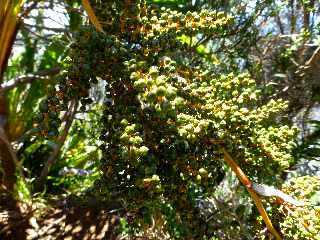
[(162, 110)]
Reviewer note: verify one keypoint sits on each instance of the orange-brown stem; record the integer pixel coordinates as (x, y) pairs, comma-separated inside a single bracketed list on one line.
[(247, 183)]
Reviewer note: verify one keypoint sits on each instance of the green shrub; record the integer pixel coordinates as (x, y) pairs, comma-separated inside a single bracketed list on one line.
[(167, 113)]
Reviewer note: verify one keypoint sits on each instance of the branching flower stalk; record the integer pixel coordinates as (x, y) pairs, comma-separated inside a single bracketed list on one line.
[(247, 183)]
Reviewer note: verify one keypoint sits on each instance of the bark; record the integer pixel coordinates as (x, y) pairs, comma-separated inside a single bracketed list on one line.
[(6, 156), (7, 159)]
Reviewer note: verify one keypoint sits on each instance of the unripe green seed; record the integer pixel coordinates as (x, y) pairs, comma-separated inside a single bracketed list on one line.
[(161, 91), (154, 72)]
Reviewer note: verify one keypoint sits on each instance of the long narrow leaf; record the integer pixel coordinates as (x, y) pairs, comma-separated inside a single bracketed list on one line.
[(93, 19), (9, 11)]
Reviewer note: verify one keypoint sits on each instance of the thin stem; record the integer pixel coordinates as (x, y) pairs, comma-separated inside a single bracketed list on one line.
[(56, 150), (247, 183), (29, 78)]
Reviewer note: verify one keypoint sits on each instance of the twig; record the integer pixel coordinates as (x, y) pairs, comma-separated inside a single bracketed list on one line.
[(56, 150), (53, 29), (314, 55), (42, 74)]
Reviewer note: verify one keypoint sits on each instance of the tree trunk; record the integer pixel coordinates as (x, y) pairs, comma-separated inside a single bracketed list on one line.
[(9, 24), (7, 160)]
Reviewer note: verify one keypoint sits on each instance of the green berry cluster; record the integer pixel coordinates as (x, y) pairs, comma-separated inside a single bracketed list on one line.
[(47, 121)]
